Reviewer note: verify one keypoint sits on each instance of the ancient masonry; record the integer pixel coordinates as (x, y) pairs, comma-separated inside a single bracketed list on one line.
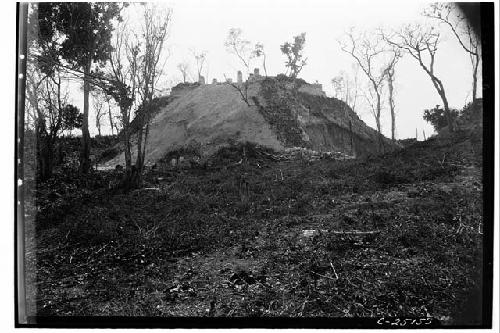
[(313, 88)]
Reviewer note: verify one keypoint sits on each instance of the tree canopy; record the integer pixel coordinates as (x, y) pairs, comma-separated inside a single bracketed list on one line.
[(294, 53)]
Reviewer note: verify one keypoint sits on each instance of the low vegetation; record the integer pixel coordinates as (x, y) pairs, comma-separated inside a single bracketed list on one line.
[(393, 235)]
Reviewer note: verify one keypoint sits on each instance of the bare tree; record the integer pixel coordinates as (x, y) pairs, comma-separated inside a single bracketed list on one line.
[(123, 86), (111, 116), (422, 44), (98, 101), (240, 47), (136, 66), (237, 45), (370, 98), (183, 67), (242, 89), (155, 33), (50, 114), (339, 86), (259, 52), (200, 58), (368, 53), (346, 87), (448, 14), (390, 76), (34, 84)]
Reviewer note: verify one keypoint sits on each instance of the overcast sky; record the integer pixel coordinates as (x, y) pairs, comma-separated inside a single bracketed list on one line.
[(204, 25)]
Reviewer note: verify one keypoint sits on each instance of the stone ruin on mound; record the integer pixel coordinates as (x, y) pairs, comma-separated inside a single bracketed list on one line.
[(312, 88)]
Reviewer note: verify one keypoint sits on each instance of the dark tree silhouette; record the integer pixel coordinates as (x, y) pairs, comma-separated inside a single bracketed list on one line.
[(422, 44), (51, 115), (82, 31), (437, 117), (469, 40)]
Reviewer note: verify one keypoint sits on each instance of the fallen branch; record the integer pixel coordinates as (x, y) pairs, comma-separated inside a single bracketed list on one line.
[(234, 164), (442, 161), (303, 306), (151, 189), (334, 272), (355, 232), (102, 248), (325, 276)]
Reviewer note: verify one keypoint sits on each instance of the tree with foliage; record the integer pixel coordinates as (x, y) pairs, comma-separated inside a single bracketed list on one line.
[(422, 44), (51, 115), (470, 40), (437, 117), (82, 32), (294, 53)]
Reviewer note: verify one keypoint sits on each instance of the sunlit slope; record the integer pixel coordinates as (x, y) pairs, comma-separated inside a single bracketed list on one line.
[(207, 117)]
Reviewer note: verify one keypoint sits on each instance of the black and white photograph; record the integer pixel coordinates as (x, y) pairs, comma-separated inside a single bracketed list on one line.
[(255, 164)]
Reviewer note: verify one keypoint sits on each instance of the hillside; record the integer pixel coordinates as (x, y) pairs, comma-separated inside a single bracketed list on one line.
[(395, 236), (283, 114)]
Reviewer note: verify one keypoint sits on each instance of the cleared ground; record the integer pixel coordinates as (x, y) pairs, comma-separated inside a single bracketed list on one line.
[(399, 234)]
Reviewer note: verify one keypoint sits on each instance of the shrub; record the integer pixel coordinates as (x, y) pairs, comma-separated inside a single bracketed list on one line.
[(437, 117)]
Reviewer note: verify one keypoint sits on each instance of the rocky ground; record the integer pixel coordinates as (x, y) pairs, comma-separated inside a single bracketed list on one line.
[(395, 235)]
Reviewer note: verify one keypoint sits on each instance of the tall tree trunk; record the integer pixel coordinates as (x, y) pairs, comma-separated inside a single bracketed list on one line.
[(126, 141), (377, 118), (85, 149), (110, 119), (130, 170), (440, 89), (128, 153), (145, 144), (449, 117), (447, 112), (353, 152), (391, 104), (264, 65), (98, 125), (45, 151), (474, 77), (138, 161)]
